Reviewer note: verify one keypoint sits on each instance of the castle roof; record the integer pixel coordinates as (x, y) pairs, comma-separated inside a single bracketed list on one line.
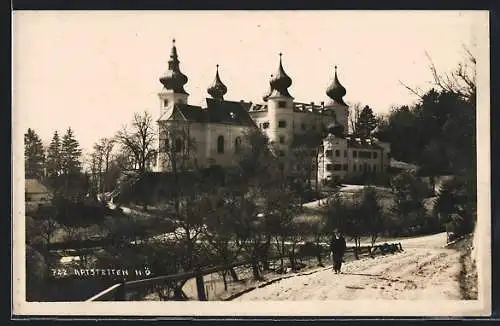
[(218, 111), (359, 142)]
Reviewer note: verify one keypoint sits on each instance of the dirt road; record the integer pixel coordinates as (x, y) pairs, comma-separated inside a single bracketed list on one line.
[(425, 270)]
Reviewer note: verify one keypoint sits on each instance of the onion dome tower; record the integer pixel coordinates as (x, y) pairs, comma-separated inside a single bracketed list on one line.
[(336, 91), (217, 90), (280, 83), (268, 93), (173, 79)]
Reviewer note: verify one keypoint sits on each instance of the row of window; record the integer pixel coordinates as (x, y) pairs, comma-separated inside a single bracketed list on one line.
[(221, 144), (344, 167), (329, 153), (283, 124), (360, 154), (179, 146)]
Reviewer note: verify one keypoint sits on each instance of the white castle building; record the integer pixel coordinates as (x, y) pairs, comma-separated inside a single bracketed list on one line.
[(218, 129)]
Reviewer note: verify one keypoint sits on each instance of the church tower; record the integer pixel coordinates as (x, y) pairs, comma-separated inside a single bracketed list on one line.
[(173, 92), (336, 92), (173, 81), (280, 111), (280, 105)]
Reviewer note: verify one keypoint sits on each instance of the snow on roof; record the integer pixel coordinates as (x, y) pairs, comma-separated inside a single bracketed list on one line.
[(34, 186), (402, 165)]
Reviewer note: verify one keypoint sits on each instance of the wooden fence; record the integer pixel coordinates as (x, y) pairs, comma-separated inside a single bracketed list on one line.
[(125, 291)]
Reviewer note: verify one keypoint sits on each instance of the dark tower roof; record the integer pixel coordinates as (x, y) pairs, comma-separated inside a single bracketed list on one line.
[(217, 90), (268, 93), (335, 129), (336, 91), (173, 78), (281, 82)]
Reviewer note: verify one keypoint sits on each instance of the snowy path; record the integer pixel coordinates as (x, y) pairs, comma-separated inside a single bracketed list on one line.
[(425, 270)]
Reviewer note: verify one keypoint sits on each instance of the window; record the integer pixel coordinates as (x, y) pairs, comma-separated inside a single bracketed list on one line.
[(237, 145), (282, 139), (367, 168), (329, 167), (281, 104), (354, 167), (178, 145), (337, 167), (265, 125), (329, 153), (344, 167), (303, 126), (165, 102), (375, 154), (374, 168), (345, 153), (337, 153), (281, 153), (282, 124), (220, 144), (354, 154)]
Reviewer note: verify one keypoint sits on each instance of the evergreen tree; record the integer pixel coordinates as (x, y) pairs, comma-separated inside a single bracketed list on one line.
[(54, 156), (366, 122), (34, 156), (70, 153)]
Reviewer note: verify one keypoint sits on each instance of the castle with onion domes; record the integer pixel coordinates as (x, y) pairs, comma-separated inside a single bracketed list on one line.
[(217, 130)]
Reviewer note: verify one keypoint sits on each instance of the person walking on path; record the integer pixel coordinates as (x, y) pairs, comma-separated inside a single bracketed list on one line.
[(341, 247), (338, 246)]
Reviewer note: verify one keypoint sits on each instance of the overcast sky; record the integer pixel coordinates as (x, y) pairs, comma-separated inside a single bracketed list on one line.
[(93, 70)]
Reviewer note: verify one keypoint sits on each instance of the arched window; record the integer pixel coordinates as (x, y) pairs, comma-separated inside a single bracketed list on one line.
[(237, 145), (220, 144)]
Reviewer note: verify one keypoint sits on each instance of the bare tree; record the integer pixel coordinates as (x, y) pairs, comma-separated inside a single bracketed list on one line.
[(100, 162), (461, 81), (139, 142), (354, 113)]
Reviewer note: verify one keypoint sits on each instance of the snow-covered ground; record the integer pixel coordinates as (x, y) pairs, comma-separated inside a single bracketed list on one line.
[(345, 189), (425, 270)]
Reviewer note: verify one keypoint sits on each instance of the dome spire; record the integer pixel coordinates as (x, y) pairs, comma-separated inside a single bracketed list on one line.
[(336, 91), (217, 89), (280, 82), (173, 79)]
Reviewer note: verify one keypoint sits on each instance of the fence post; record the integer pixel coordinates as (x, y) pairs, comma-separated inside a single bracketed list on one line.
[(400, 247), (200, 286)]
